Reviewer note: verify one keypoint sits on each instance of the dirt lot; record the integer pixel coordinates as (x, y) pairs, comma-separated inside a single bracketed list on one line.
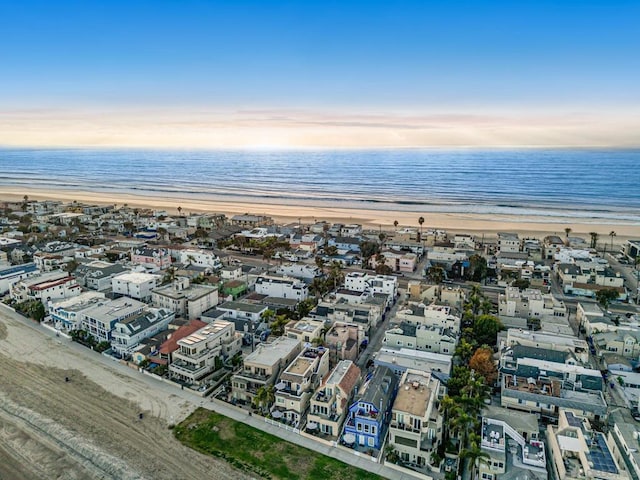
[(87, 427)]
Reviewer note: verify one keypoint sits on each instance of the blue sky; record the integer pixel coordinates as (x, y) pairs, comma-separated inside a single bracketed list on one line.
[(299, 65)]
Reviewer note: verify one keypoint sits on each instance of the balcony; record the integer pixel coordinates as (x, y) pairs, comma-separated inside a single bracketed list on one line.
[(189, 369), (322, 397), (404, 427)]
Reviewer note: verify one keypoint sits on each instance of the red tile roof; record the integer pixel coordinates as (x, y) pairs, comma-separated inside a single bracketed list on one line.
[(171, 345)]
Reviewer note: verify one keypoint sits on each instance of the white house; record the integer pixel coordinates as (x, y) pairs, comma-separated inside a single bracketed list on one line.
[(202, 352), (200, 258), (361, 282), (284, 287), (45, 287), (129, 332), (136, 285)]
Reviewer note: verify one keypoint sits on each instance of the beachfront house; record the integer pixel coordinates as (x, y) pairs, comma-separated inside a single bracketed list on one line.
[(203, 352), (415, 430), (330, 402), (129, 332), (368, 417), (262, 366), (297, 383)]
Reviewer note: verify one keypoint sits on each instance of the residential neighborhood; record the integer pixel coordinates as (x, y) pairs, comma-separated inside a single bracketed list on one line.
[(437, 355)]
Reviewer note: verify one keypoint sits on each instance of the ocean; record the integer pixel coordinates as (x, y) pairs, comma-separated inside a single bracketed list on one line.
[(589, 185)]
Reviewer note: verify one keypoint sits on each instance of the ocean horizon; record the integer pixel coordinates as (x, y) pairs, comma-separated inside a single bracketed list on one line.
[(589, 185)]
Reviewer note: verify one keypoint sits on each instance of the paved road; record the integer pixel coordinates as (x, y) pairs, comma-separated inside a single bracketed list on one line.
[(375, 340)]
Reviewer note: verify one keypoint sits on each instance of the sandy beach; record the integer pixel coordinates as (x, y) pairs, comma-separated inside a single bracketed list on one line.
[(88, 427), (455, 222)]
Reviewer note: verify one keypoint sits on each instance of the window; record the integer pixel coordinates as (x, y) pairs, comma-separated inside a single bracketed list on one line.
[(359, 427), (366, 428), (372, 441)]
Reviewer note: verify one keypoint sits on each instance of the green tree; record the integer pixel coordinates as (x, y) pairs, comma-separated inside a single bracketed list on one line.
[(477, 270), (486, 328), (594, 239), (606, 296), (367, 250), (277, 326), (521, 283), (336, 275), (319, 287), (305, 306), (464, 350), (267, 315), (435, 274)]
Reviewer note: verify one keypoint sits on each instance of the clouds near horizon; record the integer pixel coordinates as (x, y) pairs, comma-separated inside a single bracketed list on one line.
[(319, 74)]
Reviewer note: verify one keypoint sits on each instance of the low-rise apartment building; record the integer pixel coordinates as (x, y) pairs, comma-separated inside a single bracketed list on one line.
[(503, 432), (100, 319), (186, 300), (129, 332), (45, 287), (305, 330), (98, 274), (297, 383), (430, 315), (508, 242), (578, 452), (262, 366), (156, 257), (343, 341), (421, 337), (136, 285), (66, 314), (12, 274), (330, 402), (361, 282), (415, 430), (202, 353), (199, 258), (529, 303), (284, 287)]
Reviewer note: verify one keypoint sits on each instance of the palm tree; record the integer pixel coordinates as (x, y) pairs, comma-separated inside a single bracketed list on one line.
[(464, 423), (395, 224), (594, 239), (421, 221), (179, 210), (474, 454), (382, 236), (265, 396), (567, 231), (612, 234), (435, 274)]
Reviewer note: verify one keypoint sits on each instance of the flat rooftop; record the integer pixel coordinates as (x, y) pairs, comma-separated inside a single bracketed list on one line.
[(136, 277), (272, 353), (413, 395), (210, 331)]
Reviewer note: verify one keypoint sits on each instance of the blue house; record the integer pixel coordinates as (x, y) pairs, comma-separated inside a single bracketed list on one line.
[(368, 417), (346, 243)]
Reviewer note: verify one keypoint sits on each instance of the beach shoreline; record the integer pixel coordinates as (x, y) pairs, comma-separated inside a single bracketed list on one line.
[(473, 223)]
